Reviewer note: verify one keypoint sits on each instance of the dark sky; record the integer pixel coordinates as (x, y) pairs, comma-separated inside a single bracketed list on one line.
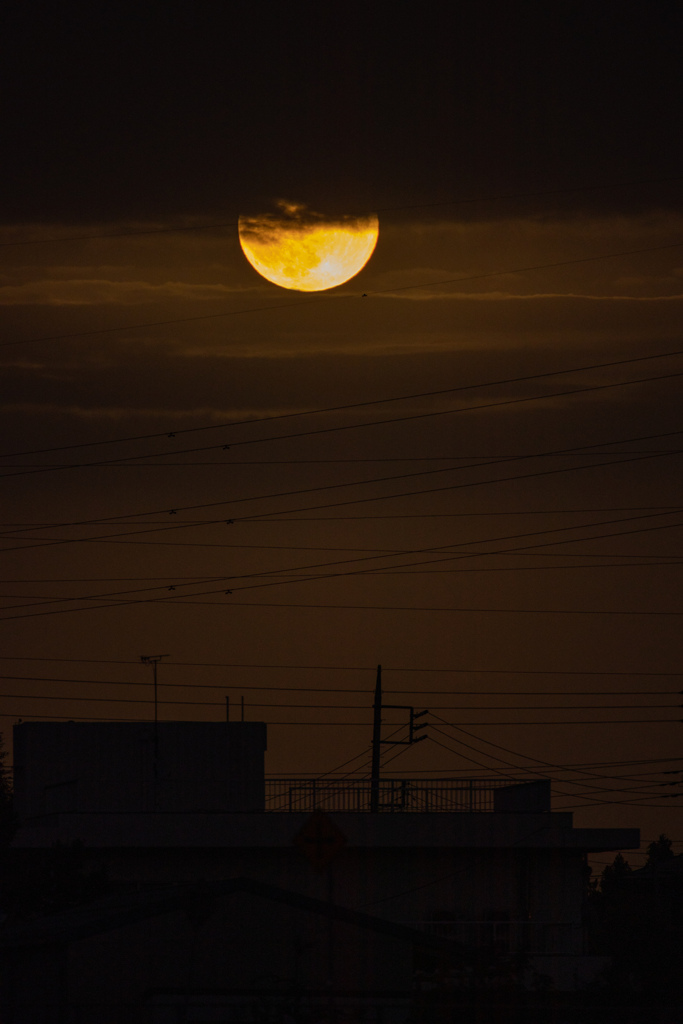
[(194, 110), (490, 139)]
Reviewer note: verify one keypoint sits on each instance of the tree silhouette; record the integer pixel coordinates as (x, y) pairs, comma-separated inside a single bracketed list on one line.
[(637, 917), (659, 851), (614, 876), (8, 822)]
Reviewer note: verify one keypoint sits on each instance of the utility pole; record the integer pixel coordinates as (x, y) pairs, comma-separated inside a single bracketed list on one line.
[(153, 660), (377, 740)]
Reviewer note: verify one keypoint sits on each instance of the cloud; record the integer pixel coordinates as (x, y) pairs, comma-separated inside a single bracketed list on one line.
[(101, 411), (628, 301), (495, 251), (294, 218), (101, 292), (422, 293)]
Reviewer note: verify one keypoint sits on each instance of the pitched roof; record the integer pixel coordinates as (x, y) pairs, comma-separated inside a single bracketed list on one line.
[(128, 908)]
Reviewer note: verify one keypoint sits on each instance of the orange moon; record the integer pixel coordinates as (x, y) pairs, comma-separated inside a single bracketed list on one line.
[(296, 248)]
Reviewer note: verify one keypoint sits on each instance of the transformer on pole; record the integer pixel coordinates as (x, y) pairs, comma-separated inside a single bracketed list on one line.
[(377, 740)]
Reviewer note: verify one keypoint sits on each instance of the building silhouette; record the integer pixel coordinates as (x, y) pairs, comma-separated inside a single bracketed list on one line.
[(228, 895)]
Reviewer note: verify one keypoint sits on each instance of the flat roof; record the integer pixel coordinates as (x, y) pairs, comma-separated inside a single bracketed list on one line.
[(548, 830)]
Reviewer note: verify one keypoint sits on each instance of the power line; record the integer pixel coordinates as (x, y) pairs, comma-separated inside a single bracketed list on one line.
[(294, 574), (332, 519), (230, 463), (404, 419), (544, 764), (368, 761), (525, 270), (352, 607), (459, 555), (355, 501), (483, 569), (261, 516), (456, 773), (455, 555), (264, 604), (334, 707), (592, 800), (343, 408), (334, 689), (622, 803), (98, 332), (130, 461), (434, 549), (467, 757), (333, 771), (285, 576), (368, 722), (401, 750), (664, 560), (102, 718), (379, 551), (369, 668)]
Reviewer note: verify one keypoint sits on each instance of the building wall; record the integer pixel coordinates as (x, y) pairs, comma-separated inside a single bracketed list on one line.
[(195, 962), (134, 767), (185, 802), (514, 897)]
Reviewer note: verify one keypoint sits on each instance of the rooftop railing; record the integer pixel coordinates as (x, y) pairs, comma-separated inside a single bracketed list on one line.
[(395, 795)]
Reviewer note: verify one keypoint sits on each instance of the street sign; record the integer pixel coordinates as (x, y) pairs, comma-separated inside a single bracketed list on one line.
[(320, 840)]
